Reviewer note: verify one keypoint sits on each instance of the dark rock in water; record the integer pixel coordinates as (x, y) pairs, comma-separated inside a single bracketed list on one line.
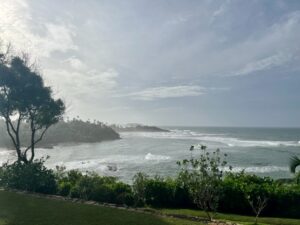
[(112, 167)]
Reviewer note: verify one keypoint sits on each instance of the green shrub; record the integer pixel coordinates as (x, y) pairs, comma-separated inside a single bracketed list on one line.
[(139, 187), (237, 186), (94, 187), (159, 192), (34, 177), (64, 188)]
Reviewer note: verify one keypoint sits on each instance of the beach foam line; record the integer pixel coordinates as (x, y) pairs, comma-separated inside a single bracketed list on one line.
[(211, 138), (258, 169)]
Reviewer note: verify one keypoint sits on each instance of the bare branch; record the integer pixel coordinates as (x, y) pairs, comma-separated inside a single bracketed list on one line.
[(36, 141)]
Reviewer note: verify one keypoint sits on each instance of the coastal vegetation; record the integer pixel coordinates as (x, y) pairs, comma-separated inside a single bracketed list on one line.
[(136, 128), (202, 177), (64, 132), (24, 98), (231, 195)]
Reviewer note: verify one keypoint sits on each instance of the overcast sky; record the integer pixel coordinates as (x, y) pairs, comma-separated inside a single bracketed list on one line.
[(167, 62)]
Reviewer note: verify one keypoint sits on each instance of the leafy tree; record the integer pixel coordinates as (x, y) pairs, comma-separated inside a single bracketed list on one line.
[(203, 177), (24, 98)]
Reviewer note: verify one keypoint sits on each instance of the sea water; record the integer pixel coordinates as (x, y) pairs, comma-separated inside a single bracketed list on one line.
[(262, 151)]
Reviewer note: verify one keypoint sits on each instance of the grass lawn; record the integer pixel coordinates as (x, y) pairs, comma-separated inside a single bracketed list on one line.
[(21, 209), (231, 217)]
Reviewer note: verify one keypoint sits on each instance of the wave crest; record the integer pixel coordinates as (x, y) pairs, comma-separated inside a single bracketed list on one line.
[(212, 138)]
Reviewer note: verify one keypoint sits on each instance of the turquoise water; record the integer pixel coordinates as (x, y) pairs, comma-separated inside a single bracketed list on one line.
[(263, 151)]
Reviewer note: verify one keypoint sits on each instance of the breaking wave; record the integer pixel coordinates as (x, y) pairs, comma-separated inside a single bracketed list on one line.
[(110, 163), (211, 138), (259, 169), (150, 156)]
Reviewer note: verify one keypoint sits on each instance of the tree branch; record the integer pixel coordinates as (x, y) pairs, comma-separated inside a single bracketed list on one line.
[(13, 140), (38, 140)]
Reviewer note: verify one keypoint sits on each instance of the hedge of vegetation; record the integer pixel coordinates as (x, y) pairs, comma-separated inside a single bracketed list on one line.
[(283, 198)]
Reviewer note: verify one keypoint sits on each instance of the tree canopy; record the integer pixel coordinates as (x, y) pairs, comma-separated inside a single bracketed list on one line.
[(24, 98)]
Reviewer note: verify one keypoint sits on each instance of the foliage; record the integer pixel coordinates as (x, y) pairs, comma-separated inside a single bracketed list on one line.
[(233, 189), (257, 196), (94, 187), (159, 192), (203, 177), (34, 177), (69, 131), (240, 188), (24, 98), (140, 181), (78, 131)]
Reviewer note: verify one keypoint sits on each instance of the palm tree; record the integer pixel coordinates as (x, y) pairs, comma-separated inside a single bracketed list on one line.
[(294, 163)]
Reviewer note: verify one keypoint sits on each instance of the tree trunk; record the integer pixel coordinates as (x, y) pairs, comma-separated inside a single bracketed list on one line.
[(32, 142)]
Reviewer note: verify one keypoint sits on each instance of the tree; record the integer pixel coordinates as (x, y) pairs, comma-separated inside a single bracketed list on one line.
[(202, 176), (24, 99)]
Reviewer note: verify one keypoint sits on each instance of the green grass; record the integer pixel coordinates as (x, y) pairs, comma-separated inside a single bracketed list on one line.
[(22, 209), (232, 217)]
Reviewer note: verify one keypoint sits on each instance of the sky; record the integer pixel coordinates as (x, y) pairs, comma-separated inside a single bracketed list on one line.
[(165, 62)]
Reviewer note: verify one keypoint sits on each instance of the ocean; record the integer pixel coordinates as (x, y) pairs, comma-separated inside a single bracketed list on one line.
[(262, 151)]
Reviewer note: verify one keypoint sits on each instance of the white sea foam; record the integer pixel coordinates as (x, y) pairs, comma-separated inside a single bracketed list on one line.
[(211, 138), (110, 163), (150, 156), (259, 169), (6, 152)]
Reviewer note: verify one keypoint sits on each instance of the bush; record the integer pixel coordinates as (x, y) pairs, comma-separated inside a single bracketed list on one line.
[(283, 199), (160, 192), (140, 181), (64, 188), (94, 187), (34, 177)]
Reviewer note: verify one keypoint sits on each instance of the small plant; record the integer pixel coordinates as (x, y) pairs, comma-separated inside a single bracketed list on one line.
[(257, 192), (139, 188), (203, 176), (257, 204)]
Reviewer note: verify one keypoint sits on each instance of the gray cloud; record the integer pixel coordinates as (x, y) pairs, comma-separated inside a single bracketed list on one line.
[(17, 25), (102, 53), (154, 93)]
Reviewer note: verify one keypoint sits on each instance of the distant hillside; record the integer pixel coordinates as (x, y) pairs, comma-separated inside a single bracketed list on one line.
[(136, 128), (74, 131)]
